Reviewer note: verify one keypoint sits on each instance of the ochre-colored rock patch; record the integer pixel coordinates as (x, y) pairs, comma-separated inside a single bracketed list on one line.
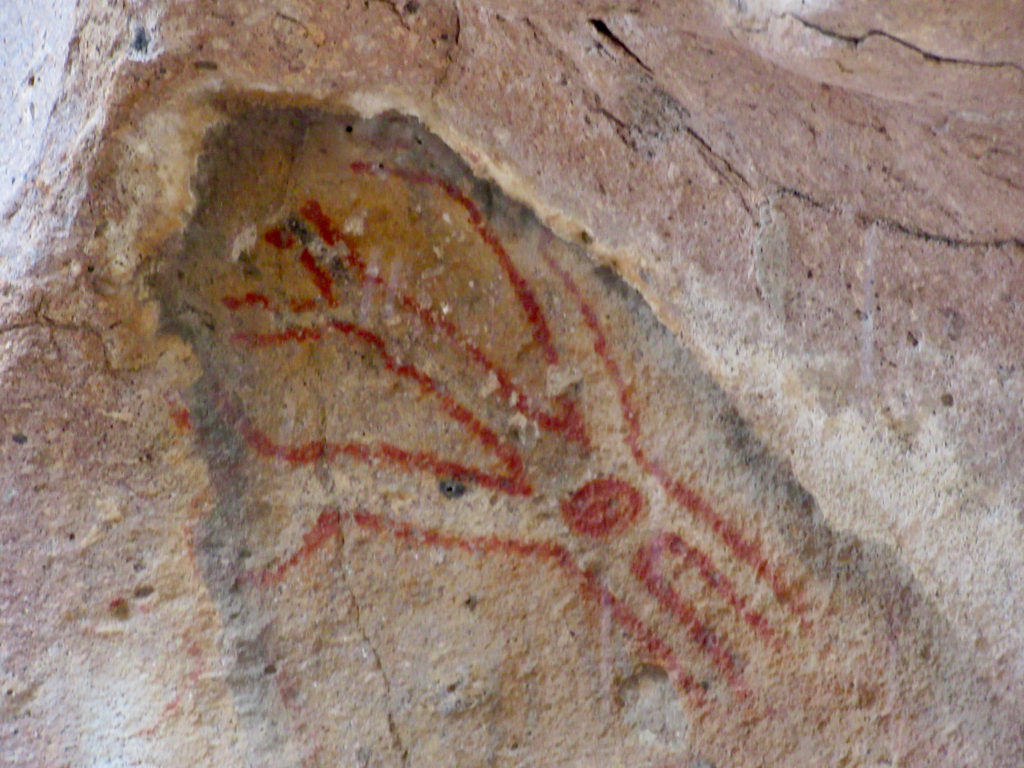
[(464, 490)]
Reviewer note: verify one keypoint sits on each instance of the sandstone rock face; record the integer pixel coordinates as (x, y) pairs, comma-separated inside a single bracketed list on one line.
[(513, 384)]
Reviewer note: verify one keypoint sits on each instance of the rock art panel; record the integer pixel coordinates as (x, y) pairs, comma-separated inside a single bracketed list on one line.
[(471, 504)]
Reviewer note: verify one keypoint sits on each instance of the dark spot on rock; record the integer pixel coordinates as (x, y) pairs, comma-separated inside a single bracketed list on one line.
[(19, 438), (140, 40), (71, 536), (143, 591), (946, 399), (911, 339), (452, 489), (270, 669), (586, 237), (348, 129), (470, 602), (337, 268), (205, 64), (297, 228), (953, 323), (810, 273), (31, 80), (120, 609), (412, 7)]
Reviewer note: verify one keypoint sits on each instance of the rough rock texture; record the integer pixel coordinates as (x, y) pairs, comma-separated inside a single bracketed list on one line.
[(479, 383)]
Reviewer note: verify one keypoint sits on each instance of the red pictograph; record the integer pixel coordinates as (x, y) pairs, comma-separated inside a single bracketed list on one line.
[(602, 509)]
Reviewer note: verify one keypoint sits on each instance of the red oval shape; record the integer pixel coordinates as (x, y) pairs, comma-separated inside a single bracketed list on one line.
[(602, 507)]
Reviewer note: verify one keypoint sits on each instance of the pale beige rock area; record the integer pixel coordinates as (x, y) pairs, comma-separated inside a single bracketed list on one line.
[(512, 383)]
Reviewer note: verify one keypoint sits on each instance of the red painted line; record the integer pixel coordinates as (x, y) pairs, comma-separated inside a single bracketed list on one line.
[(646, 567), (324, 529), (506, 452), (278, 238), (531, 307), (744, 550), (316, 216), (710, 575), (321, 279), (514, 482), (302, 305), (317, 450), (566, 419), (249, 300), (587, 581), (260, 340)]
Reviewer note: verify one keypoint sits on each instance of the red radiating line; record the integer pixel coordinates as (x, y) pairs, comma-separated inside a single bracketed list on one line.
[(319, 219), (589, 583), (508, 453), (249, 300), (748, 552), (325, 527), (534, 313), (646, 566), (514, 482), (691, 556), (321, 279), (566, 419), (317, 450)]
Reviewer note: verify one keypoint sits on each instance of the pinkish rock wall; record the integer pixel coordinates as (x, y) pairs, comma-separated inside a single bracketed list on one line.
[(451, 383)]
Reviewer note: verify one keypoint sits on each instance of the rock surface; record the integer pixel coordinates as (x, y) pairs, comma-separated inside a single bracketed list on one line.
[(465, 383)]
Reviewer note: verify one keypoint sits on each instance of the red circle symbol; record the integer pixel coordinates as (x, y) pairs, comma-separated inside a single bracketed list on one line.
[(602, 507)]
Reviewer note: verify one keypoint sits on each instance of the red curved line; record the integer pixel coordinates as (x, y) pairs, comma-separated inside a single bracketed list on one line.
[(529, 303), (368, 453), (513, 482), (744, 550), (565, 420), (588, 582), (325, 527)]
